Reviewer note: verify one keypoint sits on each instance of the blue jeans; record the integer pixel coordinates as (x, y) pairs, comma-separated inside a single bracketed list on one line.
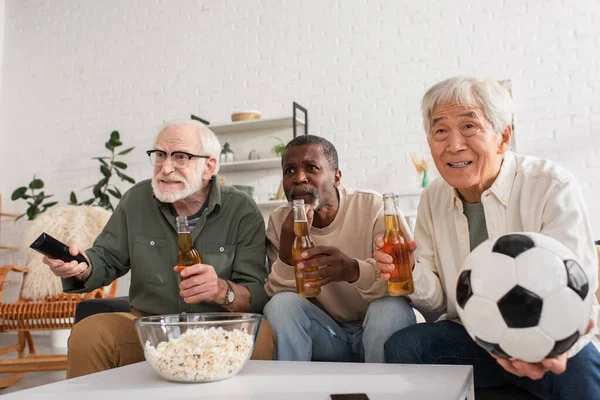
[(448, 342), (304, 332)]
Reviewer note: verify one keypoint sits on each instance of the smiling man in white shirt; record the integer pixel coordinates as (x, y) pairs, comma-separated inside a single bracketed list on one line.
[(486, 191)]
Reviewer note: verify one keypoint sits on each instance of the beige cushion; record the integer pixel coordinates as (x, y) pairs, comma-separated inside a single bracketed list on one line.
[(79, 224)]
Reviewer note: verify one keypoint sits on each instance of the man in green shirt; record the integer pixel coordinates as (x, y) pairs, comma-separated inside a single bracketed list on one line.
[(228, 231)]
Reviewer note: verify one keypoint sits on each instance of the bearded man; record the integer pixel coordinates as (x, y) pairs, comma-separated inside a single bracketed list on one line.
[(352, 317), (141, 236)]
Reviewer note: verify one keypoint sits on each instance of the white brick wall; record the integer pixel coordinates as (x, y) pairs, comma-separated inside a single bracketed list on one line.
[(74, 71), (2, 19)]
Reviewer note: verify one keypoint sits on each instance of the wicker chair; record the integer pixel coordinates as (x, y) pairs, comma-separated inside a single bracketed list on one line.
[(42, 308), (24, 316)]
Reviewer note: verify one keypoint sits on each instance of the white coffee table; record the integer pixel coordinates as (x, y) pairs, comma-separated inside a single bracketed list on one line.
[(270, 380)]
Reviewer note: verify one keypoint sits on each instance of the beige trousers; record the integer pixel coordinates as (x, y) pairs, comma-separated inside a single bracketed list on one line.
[(104, 341)]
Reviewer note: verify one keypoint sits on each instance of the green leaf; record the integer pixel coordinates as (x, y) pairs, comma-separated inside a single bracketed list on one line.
[(97, 191), (105, 171), (19, 193), (105, 202), (73, 198), (100, 158), (50, 195), (36, 184), (125, 177), (48, 205), (88, 202), (116, 189), (32, 212), (38, 198), (120, 164), (98, 188), (122, 153), (20, 216), (103, 162), (114, 135), (109, 146), (114, 193)]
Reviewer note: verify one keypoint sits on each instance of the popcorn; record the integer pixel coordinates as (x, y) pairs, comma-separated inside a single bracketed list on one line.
[(201, 355)]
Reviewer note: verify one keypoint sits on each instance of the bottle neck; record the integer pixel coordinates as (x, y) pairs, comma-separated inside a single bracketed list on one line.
[(299, 212), (390, 213), (300, 219), (182, 224)]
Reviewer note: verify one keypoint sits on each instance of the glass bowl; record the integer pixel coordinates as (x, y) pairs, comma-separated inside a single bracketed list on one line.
[(198, 347)]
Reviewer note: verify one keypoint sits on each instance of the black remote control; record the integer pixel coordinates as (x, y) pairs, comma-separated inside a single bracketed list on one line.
[(53, 248)]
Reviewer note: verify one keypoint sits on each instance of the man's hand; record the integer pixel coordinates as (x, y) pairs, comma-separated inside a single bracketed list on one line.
[(557, 364), (287, 234), (332, 264), (71, 269), (201, 283), (384, 261)]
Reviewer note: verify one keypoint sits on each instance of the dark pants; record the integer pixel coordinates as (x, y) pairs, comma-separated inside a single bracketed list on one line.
[(448, 342)]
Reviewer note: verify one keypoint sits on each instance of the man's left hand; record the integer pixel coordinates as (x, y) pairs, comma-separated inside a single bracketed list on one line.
[(201, 283), (332, 264), (557, 364)]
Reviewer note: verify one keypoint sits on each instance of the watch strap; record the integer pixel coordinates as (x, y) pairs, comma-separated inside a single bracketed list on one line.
[(229, 290)]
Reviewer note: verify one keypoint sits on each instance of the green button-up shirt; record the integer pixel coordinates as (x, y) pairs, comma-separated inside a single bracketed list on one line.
[(141, 237)]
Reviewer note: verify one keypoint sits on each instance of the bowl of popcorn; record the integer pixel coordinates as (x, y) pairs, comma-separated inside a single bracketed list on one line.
[(203, 347)]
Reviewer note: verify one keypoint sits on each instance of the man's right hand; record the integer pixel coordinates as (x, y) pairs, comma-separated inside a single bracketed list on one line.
[(71, 269), (286, 240), (384, 261)]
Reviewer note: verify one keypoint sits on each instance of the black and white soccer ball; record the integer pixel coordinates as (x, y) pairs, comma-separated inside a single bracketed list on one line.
[(523, 296)]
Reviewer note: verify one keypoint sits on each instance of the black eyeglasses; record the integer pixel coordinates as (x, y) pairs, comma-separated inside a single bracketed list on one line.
[(180, 159)]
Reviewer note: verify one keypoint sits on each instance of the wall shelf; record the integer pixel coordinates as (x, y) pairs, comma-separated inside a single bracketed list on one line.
[(410, 192), (265, 163), (255, 125), (271, 203)]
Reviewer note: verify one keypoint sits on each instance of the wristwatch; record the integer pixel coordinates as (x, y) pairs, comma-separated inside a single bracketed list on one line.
[(229, 295)]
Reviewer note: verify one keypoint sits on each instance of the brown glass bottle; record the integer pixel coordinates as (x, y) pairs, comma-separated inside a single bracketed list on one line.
[(302, 242), (188, 255), (396, 245)]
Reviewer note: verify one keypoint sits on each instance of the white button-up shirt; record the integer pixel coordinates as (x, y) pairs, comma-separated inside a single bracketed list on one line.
[(529, 195)]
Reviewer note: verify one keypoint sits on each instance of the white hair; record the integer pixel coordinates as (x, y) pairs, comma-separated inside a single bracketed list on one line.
[(471, 91), (210, 143)]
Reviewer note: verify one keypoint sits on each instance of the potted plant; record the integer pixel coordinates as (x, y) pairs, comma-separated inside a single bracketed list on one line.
[(109, 167), (279, 148), (34, 199)]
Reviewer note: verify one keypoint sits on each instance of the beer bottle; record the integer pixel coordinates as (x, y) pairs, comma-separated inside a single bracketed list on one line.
[(188, 255), (396, 245), (302, 242)]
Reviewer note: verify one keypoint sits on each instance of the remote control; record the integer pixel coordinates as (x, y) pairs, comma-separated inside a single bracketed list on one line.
[(53, 248)]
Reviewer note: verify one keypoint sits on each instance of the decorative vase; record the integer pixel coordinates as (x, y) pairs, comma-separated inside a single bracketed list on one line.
[(226, 154), (425, 180)]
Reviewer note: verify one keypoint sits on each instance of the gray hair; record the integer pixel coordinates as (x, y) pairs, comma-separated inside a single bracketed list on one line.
[(472, 91), (210, 142)]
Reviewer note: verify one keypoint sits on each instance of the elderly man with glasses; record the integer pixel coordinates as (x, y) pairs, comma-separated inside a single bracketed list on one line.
[(141, 236)]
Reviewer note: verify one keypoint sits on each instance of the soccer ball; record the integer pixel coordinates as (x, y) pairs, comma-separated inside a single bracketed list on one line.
[(523, 296)]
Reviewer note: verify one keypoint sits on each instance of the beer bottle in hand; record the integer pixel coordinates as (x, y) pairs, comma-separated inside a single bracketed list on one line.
[(302, 242), (396, 245), (188, 255)]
